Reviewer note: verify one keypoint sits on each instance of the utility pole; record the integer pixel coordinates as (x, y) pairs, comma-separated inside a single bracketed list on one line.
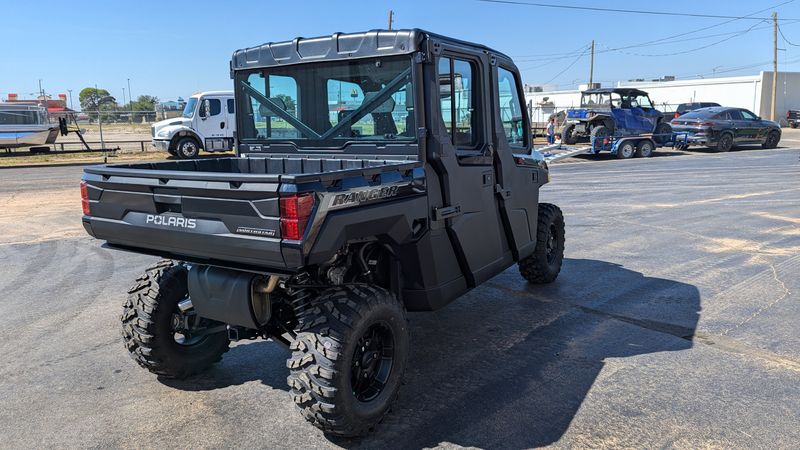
[(774, 63), (391, 19), (42, 99), (130, 97), (100, 120), (591, 66), (123, 96)]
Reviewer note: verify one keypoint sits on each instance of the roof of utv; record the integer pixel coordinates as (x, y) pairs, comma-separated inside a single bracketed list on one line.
[(341, 46), (626, 91)]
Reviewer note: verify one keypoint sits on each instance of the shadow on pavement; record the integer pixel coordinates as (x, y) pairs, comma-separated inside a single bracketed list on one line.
[(509, 364)]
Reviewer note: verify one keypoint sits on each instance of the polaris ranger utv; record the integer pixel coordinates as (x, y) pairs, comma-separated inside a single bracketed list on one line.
[(377, 173)]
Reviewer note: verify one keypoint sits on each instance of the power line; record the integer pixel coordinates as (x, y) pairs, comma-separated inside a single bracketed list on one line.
[(626, 11), (682, 52), (569, 66), (786, 40)]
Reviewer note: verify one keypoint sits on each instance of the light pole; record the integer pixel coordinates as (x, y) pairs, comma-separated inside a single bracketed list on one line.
[(123, 97), (70, 99)]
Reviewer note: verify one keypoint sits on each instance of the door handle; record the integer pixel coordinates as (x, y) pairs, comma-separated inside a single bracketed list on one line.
[(222, 125)]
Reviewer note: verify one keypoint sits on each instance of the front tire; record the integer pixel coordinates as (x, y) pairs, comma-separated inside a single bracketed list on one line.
[(187, 148), (772, 140), (348, 358), (155, 330), (544, 264), (568, 134)]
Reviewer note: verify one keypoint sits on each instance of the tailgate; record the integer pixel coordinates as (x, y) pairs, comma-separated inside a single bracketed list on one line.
[(201, 220)]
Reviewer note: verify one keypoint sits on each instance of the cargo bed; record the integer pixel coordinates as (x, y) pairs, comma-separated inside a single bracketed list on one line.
[(221, 211)]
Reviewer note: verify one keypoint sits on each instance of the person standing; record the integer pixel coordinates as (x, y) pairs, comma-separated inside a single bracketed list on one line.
[(551, 131)]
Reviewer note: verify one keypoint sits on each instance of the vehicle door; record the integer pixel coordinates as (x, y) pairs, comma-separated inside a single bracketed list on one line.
[(754, 129), (211, 119), (737, 125), (517, 190), (465, 164), (645, 113), (230, 113)]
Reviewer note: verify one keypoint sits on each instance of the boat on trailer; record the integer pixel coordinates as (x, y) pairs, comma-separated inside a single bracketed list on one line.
[(25, 125)]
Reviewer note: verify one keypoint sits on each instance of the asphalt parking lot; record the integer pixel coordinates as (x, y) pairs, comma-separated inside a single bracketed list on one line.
[(674, 324)]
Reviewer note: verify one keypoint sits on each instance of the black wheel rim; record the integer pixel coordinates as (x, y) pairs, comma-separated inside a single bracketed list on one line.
[(552, 245), (372, 362)]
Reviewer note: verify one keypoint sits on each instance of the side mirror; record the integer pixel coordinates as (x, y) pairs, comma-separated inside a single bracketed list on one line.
[(205, 109)]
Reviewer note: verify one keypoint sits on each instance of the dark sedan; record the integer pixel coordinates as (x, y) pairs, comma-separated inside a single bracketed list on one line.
[(722, 128)]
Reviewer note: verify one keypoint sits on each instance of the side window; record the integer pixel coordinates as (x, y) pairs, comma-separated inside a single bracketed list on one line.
[(748, 115), (456, 100), (511, 108), (735, 114), (231, 108), (282, 90), (215, 107)]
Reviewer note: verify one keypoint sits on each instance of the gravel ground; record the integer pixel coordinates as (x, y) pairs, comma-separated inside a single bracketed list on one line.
[(673, 324)]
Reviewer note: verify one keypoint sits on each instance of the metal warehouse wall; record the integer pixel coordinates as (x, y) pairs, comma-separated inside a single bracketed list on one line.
[(751, 92)]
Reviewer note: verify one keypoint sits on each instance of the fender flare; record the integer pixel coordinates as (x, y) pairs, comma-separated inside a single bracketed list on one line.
[(184, 132)]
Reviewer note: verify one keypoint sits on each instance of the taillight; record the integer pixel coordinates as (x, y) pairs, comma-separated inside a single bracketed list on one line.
[(677, 115), (85, 198), (295, 211)]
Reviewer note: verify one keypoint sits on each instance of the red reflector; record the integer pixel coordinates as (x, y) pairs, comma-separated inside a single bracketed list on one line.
[(85, 198), (295, 211)]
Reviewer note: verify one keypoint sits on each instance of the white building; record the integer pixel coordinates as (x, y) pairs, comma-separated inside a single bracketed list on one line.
[(752, 92)]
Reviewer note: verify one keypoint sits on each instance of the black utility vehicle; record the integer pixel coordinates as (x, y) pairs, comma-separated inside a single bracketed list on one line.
[(378, 173), (684, 108), (723, 128), (793, 117)]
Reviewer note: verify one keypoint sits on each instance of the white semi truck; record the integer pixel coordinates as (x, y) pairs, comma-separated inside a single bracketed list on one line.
[(208, 122)]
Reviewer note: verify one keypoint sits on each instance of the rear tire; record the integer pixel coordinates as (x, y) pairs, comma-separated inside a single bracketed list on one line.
[(645, 149), (773, 138), (148, 325), (568, 134), (725, 143), (662, 133), (349, 358), (187, 148), (544, 264)]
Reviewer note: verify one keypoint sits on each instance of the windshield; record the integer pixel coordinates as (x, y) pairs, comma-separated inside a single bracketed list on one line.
[(601, 99), (188, 110), (329, 103)]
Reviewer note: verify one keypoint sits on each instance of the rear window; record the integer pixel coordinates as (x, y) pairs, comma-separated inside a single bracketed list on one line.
[(699, 114)]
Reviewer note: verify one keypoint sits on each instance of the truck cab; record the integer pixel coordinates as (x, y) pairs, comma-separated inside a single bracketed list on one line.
[(208, 122)]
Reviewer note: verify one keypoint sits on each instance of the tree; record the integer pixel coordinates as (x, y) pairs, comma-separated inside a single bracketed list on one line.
[(144, 106), (93, 99), (291, 108)]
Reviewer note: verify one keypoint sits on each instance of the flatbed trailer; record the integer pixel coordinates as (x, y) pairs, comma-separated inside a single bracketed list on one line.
[(623, 147)]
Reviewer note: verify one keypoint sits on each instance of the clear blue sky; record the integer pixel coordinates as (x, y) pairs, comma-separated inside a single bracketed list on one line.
[(173, 48)]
